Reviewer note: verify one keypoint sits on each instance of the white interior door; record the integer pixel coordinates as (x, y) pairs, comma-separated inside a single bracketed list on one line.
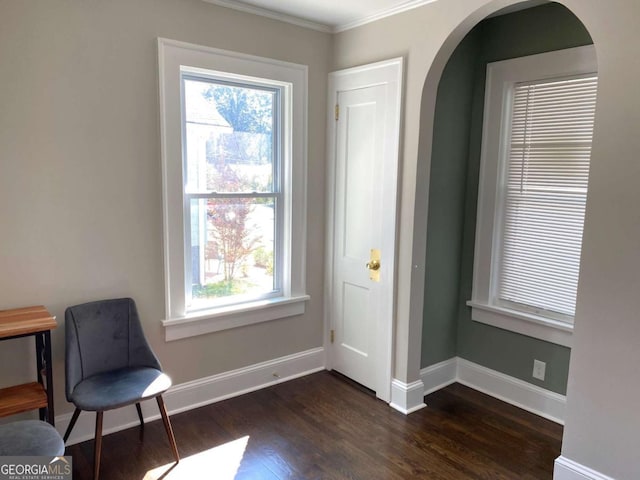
[(363, 189)]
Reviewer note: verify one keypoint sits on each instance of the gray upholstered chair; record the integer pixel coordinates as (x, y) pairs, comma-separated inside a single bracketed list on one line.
[(109, 364), (30, 437)]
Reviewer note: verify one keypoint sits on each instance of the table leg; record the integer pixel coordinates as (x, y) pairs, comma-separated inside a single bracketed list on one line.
[(49, 373), (39, 365)]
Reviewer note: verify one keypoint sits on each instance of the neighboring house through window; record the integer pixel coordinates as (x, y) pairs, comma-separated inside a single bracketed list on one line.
[(539, 116), (234, 159)]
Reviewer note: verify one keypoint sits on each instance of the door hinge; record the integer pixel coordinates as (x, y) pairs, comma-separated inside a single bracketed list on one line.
[(332, 335), (337, 112)]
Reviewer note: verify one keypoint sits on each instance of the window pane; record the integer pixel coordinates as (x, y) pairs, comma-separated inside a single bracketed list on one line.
[(230, 137), (232, 250)]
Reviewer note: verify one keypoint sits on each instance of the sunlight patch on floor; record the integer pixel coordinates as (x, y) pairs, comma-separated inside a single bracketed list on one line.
[(221, 462)]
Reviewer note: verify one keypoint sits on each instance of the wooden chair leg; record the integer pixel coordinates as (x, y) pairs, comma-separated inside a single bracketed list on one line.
[(72, 423), (140, 414), (167, 427), (98, 446)]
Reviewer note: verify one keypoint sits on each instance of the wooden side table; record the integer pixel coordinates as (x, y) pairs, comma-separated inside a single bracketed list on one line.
[(24, 322)]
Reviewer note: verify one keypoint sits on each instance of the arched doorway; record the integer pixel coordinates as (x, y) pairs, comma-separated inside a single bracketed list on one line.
[(448, 329)]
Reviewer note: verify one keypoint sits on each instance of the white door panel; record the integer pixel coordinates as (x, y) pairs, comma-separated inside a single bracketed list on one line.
[(356, 143), (363, 188), (355, 301), (359, 162)]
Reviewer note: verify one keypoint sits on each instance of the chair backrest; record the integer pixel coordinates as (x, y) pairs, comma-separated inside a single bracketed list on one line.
[(103, 336)]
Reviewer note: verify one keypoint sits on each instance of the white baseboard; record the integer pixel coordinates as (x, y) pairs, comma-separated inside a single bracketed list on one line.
[(566, 469), (407, 397), (532, 398), (524, 395), (439, 375), (198, 393)]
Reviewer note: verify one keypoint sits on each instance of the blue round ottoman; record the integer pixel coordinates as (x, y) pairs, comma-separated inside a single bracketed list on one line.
[(30, 437)]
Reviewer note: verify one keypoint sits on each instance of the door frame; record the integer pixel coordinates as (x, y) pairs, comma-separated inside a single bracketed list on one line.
[(389, 72)]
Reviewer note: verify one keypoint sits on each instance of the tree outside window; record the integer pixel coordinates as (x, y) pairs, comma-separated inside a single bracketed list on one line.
[(232, 167)]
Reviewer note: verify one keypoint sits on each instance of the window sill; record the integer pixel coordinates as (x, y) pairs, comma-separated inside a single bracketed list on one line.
[(526, 324), (233, 316)]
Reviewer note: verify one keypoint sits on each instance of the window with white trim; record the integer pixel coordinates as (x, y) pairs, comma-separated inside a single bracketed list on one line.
[(539, 118), (232, 157), (234, 161)]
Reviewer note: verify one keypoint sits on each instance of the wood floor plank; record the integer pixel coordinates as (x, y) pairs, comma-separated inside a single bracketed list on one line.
[(325, 427)]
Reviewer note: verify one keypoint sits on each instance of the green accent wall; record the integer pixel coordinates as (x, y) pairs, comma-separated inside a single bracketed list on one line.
[(448, 330), (447, 202)]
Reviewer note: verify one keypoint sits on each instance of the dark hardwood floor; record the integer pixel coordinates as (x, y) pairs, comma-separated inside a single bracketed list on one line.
[(324, 427)]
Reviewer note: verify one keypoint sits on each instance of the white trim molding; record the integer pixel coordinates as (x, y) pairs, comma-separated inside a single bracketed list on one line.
[(534, 399), (566, 469), (379, 15), (535, 326), (489, 304), (407, 397), (234, 316), (440, 375), (176, 59), (264, 12), (322, 27), (313, 25), (201, 392)]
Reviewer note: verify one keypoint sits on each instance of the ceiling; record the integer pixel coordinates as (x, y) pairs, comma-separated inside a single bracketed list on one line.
[(324, 15), (337, 15)]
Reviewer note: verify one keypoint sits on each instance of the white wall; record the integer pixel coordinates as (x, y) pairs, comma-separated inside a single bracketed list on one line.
[(80, 181), (602, 421)]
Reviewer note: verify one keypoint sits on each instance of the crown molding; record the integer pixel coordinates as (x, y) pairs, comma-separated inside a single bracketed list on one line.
[(387, 12), (301, 22), (263, 12), (411, 4)]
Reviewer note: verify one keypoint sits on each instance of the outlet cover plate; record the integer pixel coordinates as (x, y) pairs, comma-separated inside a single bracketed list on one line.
[(539, 369)]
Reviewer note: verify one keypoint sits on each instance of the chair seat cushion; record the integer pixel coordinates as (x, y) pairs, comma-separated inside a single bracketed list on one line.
[(30, 437), (117, 388)]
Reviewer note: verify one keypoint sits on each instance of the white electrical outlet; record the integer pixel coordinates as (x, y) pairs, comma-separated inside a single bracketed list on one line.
[(539, 369)]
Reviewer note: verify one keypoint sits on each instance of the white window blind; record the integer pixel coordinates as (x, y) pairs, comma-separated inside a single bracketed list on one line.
[(546, 189)]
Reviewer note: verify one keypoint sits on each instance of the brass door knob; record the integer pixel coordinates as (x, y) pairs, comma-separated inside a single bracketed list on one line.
[(373, 265)]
